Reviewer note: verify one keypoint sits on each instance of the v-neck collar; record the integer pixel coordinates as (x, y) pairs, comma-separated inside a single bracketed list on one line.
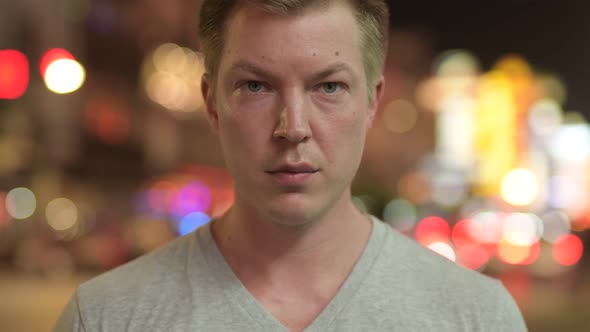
[(238, 295)]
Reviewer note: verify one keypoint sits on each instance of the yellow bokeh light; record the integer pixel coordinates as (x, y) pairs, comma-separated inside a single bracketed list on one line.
[(61, 214), (519, 187), (171, 75), (456, 63), (64, 76)]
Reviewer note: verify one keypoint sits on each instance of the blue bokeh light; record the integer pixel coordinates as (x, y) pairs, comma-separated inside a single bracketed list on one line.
[(191, 222)]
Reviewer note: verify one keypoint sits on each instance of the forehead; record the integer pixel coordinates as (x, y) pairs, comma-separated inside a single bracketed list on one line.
[(316, 34)]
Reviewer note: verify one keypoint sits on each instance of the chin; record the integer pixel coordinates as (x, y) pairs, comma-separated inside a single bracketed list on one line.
[(295, 213)]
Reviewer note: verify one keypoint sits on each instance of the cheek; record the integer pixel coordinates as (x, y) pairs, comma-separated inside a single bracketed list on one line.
[(244, 132), (343, 137)]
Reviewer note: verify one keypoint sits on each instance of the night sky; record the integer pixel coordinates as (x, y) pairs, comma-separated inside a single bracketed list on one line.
[(554, 36)]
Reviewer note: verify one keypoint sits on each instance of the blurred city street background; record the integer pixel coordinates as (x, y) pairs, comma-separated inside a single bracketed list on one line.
[(480, 150)]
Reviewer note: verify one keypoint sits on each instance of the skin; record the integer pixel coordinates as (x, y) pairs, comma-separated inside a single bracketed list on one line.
[(290, 93)]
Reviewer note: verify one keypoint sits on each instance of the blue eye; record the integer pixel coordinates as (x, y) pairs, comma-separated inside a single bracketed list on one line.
[(330, 87), (254, 86)]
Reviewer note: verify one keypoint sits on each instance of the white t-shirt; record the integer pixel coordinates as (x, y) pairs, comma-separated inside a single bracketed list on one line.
[(396, 285)]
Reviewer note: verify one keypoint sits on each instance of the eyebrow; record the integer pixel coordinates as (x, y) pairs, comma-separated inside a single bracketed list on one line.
[(256, 70), (333, 69)]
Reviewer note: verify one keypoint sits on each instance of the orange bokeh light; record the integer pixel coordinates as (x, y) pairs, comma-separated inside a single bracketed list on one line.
[(568, 249), (514, 254), (3, 214)]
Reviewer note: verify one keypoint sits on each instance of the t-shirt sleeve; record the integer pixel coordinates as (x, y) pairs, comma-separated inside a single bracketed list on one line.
[(506, 316), (70, 319)]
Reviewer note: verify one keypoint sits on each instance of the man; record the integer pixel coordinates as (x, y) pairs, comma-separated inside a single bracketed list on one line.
[(291, 90)]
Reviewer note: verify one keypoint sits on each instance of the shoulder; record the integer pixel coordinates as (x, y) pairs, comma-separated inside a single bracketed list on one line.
[(423, 266), (150, 268), (433, 286), (139, 285)]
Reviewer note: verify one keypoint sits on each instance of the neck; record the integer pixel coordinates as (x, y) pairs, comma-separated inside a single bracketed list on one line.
[(253, 244)]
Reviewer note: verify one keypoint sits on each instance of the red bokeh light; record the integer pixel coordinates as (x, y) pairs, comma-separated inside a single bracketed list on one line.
[(14, 74), (534, 251), (107, 119), (462, 235), (473, 257), (51, 56), (568, 249), (432, 229)]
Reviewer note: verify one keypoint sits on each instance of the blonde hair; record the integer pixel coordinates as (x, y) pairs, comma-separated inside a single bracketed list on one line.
[(372, 17)]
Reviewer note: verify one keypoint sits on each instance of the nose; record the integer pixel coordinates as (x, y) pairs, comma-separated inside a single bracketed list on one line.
[(293, 124)]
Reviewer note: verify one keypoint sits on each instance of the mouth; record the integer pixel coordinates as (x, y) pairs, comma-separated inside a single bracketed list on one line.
[(293, 174), (294, 169)]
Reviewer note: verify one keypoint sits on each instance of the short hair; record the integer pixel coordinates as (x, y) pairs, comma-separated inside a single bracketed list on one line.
[(372, 17)]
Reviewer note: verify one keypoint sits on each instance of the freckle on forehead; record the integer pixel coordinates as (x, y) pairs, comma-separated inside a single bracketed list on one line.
[(337, 53)]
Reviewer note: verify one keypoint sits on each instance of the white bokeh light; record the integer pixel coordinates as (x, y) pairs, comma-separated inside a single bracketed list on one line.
[(64, 76)]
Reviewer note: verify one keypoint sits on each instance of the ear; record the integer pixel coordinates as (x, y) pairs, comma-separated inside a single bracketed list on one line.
[(209, 98), (375, 101)]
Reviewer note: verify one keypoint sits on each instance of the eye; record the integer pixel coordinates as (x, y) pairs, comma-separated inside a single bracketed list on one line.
[(330, 87), (254, 86)]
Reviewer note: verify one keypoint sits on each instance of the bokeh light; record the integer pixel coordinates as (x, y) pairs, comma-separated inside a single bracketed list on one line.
[(401, 214), (566, 192), (568, 249), (21, 203), (108, 119), (522, 228), (14, 74), (191, 222), (486, 227), (545, 117), (415, 187), (470, 253), (456, 63), (449, 189), (516, 254), (400, 116), (51, 56), (64, 76), (463, 233), (172, 77), (535, 250), (160, 196), (455, 132), (571, 143), (473, 257), (61, 214), (443, 249), (555, 224), (3, 213), (432, 229), (193, 197), (519, 187)]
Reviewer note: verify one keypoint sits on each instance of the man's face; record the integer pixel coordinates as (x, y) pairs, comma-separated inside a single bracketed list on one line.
[(291, 109)]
